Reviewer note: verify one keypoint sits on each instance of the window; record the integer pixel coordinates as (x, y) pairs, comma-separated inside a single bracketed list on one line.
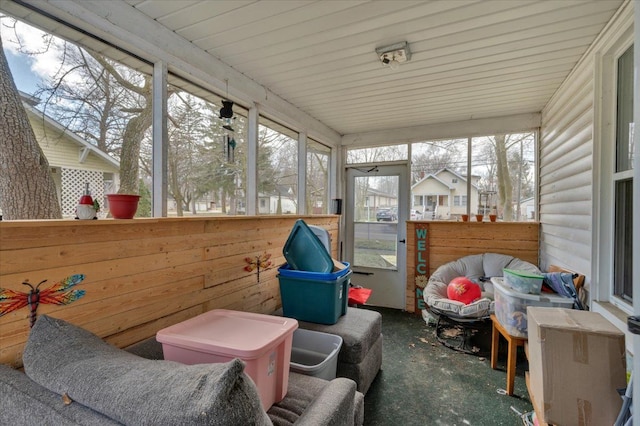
[(503, 172), (623, 180), (439, 175), (460, 200), (377, 155), (277, 168), (206, 155), (501, 178), (317, 177), (79, 100)]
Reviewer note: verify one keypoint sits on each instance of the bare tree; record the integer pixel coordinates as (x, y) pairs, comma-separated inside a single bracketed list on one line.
[(435, 156), (27, 190), (505, 179)]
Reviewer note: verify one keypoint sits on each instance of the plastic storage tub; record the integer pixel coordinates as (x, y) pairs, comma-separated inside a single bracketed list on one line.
[(511, 306), (315, 353), (263, 342), (522, 281), (305, 252), (314, 297)]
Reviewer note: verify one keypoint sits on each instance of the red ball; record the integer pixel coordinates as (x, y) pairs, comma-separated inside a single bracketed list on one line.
[(463, 290)]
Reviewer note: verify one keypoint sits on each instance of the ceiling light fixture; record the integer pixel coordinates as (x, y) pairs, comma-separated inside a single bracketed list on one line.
[(395, 54)]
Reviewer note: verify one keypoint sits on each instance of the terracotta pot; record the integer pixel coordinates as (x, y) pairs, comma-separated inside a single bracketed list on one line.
[(479, 217), (123, 206), (493, 217), (465, 217)]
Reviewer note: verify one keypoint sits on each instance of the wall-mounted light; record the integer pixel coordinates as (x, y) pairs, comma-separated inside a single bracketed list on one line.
[(395, 54)]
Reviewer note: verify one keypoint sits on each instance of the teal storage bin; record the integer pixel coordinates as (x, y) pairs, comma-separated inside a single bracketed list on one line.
[(305, 252), (314, 297)]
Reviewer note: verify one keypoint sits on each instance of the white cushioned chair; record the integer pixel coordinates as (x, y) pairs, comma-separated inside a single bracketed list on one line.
[(479, 268)]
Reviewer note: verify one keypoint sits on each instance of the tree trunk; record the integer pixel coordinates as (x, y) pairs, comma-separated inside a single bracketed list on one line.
[(27, 190), (505, 187), (129, 166)]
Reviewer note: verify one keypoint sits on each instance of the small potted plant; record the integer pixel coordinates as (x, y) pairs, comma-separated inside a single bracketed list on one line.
[(123, 206)]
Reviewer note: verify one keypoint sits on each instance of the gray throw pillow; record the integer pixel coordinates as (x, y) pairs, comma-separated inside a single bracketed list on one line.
[(132, 390)]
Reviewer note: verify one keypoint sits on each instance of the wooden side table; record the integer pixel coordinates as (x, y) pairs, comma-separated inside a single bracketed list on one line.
[(512, 349)]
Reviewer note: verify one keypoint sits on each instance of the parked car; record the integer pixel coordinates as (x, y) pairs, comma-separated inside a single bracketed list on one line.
[(387, 215), (415, 215)]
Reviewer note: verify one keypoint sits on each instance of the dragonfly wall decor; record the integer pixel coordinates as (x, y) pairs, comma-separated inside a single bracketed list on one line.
[(258, 262), (60, 293)]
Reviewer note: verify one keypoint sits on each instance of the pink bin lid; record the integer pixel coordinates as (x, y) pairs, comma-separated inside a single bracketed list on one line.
[(232, 333)]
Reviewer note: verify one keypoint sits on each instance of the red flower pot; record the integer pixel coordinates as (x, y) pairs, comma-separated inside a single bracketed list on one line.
[(123, 206)]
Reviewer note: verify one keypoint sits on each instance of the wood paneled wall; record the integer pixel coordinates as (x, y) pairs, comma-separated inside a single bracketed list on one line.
[(143, 274), (448, 241)]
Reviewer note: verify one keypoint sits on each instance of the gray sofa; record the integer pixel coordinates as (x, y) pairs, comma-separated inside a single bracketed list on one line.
[(75, 378)]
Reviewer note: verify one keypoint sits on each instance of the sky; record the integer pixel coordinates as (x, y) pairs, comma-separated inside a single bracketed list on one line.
[(23, 76), (27, 70)]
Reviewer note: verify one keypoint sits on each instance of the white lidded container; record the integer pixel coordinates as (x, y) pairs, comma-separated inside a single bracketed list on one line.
[(263, 342)]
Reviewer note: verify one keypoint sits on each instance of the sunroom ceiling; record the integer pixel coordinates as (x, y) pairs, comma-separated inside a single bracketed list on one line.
[(470, 59)]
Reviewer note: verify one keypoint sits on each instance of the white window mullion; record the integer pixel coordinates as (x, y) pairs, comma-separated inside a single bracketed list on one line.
[(302, 173), (252, 161), (160, 140)]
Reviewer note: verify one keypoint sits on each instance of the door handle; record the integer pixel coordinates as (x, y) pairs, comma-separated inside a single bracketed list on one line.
[(403, 241)]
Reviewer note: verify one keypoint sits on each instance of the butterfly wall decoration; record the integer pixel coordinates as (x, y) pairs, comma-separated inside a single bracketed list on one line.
[(60, 293)]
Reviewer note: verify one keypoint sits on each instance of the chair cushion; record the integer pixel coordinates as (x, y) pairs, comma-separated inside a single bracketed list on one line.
[(132, 390)]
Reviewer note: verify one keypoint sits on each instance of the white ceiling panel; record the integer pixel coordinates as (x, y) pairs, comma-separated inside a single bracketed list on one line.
[(470, 58)]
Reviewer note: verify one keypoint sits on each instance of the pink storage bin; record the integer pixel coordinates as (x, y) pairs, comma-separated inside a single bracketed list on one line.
[(263, 342)]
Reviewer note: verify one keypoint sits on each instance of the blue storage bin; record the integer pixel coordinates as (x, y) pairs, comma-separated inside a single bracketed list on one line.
[(314, 297), (305, 252)]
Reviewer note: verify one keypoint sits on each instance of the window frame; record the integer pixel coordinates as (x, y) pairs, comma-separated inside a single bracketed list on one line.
[(605, 178)]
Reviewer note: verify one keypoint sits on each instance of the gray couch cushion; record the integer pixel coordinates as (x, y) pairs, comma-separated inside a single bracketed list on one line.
[(133, 390), (303, 390), (359, 329), (24, 402)]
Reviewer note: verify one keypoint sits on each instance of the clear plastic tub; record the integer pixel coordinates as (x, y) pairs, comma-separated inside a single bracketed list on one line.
[(511, 306), (315, 353), (263, 342)]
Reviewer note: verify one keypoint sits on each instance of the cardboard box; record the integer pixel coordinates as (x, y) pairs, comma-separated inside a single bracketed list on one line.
[(576, 364)]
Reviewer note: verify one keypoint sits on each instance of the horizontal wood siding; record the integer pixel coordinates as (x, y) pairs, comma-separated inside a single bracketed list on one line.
[(448, 241), (61, 151), (143, 274)]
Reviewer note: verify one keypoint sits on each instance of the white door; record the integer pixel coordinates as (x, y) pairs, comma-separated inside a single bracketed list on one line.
[(376, 209)]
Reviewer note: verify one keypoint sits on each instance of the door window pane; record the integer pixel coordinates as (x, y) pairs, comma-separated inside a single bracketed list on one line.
[(376, 221)]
